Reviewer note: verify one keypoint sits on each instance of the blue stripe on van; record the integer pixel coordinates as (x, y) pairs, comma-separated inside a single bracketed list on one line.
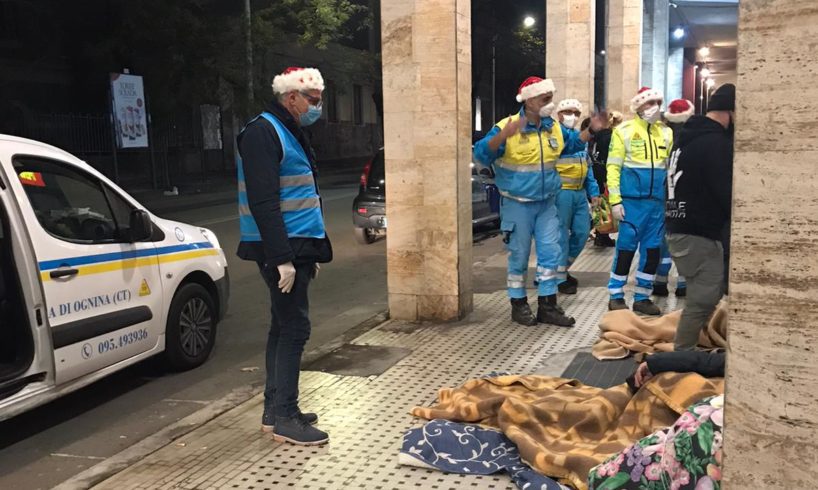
[(131, 254)]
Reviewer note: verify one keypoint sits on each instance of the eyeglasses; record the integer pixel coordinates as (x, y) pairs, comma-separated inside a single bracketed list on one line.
[(574, 113), (316, 101)]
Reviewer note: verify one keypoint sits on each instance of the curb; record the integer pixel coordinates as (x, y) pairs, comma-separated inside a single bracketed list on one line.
[(154, 442)]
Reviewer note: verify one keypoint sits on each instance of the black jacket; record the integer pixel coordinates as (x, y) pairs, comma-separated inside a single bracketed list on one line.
[(700, 187), (261, 153), (598, 152), (706, 364)]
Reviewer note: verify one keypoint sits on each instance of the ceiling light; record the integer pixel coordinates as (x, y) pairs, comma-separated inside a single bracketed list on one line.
[(679, 33), (603, 52), (706, 72), (710, 82), (705, 51)]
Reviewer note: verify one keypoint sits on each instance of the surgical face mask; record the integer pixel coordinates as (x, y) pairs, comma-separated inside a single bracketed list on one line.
[(651, 115), (569, 121), (313, 114), (547, 110)]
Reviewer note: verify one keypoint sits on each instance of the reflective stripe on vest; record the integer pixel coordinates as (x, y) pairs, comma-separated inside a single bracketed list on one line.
[(300, 202)]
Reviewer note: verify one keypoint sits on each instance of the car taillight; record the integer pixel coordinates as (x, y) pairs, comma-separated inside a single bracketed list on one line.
[(361, 210), (365, 174)]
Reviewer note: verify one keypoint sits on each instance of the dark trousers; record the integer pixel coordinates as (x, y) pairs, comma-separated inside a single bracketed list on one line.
[(289, 332)]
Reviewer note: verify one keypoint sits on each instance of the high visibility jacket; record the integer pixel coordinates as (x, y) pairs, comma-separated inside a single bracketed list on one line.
[(300, 202), (573, 165), (525, 165), (637, 160)]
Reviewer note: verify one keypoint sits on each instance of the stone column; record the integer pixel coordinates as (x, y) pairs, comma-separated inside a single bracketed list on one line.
[(655, 27), (569, 56), (624, 51), (427, 126), (772, 366)]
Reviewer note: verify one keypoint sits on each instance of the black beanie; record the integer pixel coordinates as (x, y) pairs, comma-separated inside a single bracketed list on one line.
[(724, 99)]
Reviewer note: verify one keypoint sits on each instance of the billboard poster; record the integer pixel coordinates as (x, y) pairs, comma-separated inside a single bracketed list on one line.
[(128, 106)]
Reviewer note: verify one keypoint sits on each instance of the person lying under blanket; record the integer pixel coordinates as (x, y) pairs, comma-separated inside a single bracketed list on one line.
[(707, 364)]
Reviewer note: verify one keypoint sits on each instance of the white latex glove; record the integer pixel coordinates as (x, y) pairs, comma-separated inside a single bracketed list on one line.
[(316, 271), (287, 274), (618, 212)]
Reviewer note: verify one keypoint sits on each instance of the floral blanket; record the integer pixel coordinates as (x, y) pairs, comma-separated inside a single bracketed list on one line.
[(685, 456), (563, 428)]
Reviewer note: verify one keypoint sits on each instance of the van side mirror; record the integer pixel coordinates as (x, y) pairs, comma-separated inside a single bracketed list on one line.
[(141, 227)]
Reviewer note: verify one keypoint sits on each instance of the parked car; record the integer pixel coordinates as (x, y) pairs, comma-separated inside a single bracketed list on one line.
[(369, 207), (91, 282)]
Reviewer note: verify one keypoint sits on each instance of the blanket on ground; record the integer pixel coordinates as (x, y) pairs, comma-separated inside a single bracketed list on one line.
[(563, 428), (624, 332)]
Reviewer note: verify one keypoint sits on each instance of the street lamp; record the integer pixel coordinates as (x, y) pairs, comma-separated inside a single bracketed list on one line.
[(679, 33), (528, 23)]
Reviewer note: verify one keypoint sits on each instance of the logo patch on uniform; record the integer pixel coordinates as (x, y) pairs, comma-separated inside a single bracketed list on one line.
[(637, 136), (34, 179), (144, 290)]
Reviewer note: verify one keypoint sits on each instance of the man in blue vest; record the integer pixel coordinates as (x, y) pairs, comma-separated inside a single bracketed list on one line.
[(282, 230)]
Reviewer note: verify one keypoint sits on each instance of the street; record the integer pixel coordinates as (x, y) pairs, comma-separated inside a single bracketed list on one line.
[(46, 446)]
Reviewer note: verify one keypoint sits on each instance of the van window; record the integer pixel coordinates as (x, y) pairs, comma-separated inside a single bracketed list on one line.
[(71, 204)]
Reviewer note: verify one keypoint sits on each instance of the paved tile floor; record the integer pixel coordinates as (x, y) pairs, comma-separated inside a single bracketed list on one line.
[(367, 416)]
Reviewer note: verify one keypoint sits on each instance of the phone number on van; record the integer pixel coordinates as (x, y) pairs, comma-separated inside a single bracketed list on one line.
[(123, 341)]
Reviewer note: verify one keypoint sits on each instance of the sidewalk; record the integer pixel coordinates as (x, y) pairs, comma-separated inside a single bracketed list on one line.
[(364, 396)]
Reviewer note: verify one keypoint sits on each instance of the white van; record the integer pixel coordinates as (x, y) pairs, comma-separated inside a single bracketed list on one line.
[(91, 282)]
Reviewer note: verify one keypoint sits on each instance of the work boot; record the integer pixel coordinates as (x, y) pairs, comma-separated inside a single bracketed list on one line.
[(660, 290), (296, 431), (646, 307), (681, 292), (567, 288), (617, 304), (548, 312), (521, 312), (268, 419)]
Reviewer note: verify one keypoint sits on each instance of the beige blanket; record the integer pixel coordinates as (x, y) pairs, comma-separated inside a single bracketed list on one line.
[(564, 428), (623, 332)]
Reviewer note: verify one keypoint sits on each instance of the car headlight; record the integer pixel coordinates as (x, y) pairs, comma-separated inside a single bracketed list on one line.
[(210, 237)]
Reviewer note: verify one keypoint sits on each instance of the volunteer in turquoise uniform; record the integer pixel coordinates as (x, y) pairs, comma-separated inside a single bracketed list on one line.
[(637, 168), (523, 150), (578, 187)]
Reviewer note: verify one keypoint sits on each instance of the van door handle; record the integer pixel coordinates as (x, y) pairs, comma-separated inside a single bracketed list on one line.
[(63, 273)]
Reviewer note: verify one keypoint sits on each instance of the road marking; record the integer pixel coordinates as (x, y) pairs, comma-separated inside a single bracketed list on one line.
[(175, 400), (76, 456)]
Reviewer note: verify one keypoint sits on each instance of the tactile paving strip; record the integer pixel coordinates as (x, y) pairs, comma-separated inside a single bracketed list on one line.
[(367, 416)]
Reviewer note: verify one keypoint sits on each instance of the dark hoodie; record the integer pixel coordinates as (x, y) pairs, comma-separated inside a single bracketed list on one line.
[(700, 187)]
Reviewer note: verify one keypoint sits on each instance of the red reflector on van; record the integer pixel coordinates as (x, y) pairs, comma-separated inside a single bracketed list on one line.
[(361, 210)]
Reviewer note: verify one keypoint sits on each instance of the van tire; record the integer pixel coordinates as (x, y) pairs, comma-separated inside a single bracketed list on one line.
[(192, 310)]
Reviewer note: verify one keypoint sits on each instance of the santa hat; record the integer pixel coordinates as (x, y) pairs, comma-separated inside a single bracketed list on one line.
[(567, 104), (534, 86), (301, 79), (679, 111), (645, 95)]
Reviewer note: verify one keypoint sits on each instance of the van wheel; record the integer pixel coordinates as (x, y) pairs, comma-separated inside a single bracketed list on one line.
[(191, 329), (365, 236)]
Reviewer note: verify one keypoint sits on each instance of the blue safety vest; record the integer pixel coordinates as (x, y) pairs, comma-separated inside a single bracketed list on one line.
[(300, 202)]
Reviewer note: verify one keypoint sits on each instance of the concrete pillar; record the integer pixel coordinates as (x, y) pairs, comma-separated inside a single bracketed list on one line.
[(624, 52), (772, 368), (569, 58), (655, 27), (675, 74), (427, 126)]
